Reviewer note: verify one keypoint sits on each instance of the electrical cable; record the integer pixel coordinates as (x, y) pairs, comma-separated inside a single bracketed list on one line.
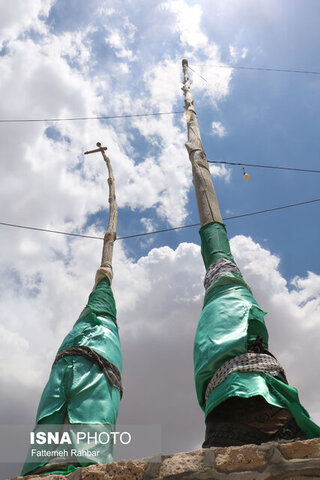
[(108, 117), (157, 231), (265, 166), (253, 164), (197, 73), (264, 69), (86, 118)]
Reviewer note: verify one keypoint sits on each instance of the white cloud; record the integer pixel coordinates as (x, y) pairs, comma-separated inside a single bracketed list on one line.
[(168, 303), (218, 129), (55, 170), (48, 183), (118, 39), (53, 87), (48, 189), (118, 43), (74, 46), (244, 52), (220, 171), (159, 299), (293, 314), (306, 294), (188, 19), (162, 270), (215, 84), (168, 175), (163, 81), (163, 181), (149, 226), (236, 52), (187, 22), (147, 223), (70, 185), (106, 11), (18, 15)]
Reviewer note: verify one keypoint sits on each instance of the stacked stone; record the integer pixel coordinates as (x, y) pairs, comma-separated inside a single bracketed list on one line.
[(270, 461)]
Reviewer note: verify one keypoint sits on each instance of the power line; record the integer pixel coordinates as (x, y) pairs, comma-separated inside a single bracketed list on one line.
[(197, 73), (157, 231), (28, 120), (50, 231), (265, 166), (257, 68), (109, 117), (272, 209)]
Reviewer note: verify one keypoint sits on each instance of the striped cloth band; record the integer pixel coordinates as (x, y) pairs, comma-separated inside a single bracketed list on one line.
[(247, 362), (218, 268), (110, 371)]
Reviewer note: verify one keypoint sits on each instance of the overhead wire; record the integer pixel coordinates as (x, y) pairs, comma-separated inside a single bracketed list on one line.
[(157, 231), (254, 164), (104, 117), (197, 73), (265, 166), (264, 69), (107, 117)]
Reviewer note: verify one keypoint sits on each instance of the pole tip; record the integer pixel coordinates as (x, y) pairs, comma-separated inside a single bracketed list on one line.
[(98, 144), (184, 62)]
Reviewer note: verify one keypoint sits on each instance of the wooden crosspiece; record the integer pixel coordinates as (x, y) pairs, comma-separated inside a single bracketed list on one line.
[(105, 269)]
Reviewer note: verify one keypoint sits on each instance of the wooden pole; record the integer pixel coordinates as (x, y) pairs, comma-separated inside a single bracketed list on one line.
[(207, 201), (105, 269)]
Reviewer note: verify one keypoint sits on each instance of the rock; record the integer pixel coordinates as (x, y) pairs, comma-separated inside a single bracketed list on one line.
[(247, 457), (301, 449), (182, 463)]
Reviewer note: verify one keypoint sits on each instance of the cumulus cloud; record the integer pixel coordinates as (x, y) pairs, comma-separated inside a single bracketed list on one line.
[(187, 22), (48, 157), (163, 81), (49, 183), (237, 53), (57, 84), (17, 16), (119, 39), (147, 223), (159, 299), (218, 129), (220, 171), (217, 84), (40, 160), (293, 314)]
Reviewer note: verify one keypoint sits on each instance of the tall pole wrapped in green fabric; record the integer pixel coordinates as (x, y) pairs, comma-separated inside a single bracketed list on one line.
[(84, 387), (240, 385)]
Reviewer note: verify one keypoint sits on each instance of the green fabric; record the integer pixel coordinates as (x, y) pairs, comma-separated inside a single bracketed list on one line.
[(275, 392), (70, 377), (77, 387), (96, 327), (70, 469), (214, 243), (229, 314), (230, 319)]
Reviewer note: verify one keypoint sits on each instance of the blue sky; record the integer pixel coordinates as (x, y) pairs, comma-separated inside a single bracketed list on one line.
[(91, 58)]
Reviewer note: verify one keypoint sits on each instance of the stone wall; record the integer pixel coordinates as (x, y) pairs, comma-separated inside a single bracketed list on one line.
[(269, 461)]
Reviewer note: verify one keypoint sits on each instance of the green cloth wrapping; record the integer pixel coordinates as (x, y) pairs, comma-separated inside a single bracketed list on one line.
[(77, 387), (214, 243), (230, 319)]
